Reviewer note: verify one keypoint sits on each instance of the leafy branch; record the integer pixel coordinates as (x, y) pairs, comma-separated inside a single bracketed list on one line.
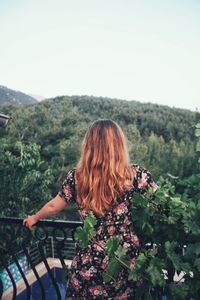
[(161, 223)]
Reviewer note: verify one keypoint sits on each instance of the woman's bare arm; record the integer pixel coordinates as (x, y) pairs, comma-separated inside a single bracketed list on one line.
[(51, 208)]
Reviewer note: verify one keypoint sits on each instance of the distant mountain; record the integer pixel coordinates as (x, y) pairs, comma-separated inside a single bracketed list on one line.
[(37, 97), (12, 97)]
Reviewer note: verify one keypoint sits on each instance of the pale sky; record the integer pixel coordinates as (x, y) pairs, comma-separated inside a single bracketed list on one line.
[(144, 50)]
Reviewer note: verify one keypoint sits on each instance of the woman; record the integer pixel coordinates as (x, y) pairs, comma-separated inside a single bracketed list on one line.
[(103, 182)]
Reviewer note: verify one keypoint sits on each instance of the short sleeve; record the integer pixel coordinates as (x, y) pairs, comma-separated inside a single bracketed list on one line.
[(143, 180), (67, 191)]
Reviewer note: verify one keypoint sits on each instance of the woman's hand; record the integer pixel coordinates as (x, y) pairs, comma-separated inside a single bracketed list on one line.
[(30, 221), (51, 208)]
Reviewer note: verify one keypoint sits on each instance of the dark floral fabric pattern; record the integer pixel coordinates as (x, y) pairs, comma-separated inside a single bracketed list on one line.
[(86, 281)]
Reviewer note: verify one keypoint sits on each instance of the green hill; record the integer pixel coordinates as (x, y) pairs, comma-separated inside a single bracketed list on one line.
[(159, 137), (12, 97)]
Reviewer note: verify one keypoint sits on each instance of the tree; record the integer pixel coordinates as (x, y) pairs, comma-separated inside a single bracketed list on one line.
[(25, 179)]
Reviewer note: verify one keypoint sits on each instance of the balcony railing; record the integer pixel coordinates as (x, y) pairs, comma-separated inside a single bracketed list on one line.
[(49, 243)]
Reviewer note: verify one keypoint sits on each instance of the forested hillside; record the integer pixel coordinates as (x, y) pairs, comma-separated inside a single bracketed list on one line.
[(42, 141), (160, 138), (12, 97)]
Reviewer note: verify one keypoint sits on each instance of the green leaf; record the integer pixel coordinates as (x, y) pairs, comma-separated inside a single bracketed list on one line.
[(90, 220), (82, 237), (193, 250), (111, 246), (197, 132), (141, 259), (89, 223), (140, 199), (179, 292), (121, 251), (112, 271), (198, 146), (155, 271), (134, 274), (185, 267), (197, 125), (107, 277), (170, 250), (85, 234), (124, 260), (160, 194)]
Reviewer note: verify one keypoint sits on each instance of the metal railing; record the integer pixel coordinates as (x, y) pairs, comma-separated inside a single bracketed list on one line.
[(47, 239)]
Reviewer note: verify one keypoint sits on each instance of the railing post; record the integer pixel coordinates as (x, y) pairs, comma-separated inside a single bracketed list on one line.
[(52, 247)]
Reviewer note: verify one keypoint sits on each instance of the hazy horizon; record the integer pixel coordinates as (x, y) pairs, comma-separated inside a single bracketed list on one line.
[(40, 98)]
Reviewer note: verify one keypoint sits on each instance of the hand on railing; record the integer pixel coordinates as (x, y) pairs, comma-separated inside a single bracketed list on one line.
[(30, 221)]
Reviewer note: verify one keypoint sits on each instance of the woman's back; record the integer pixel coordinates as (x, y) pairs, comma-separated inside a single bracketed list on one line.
[(88, 265)]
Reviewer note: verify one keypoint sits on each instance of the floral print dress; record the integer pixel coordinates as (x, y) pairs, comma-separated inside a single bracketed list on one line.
[(85, 280)]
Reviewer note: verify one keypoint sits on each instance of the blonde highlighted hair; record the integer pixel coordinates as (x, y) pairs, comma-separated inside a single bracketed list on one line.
[(103, 171)]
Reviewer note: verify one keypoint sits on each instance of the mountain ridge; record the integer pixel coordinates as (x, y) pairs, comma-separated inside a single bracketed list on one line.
[(12, 97)]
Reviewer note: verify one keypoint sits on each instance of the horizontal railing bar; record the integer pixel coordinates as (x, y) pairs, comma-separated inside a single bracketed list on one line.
[(44, 222)]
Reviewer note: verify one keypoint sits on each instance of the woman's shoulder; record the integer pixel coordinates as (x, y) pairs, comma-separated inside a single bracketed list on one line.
[(138, 169), (143, 178), (70, 176)]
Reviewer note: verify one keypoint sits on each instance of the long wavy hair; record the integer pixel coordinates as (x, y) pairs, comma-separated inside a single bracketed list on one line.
[(103, 171)]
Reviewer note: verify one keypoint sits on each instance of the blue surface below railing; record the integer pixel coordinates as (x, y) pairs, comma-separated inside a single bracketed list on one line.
[(50, 292)]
